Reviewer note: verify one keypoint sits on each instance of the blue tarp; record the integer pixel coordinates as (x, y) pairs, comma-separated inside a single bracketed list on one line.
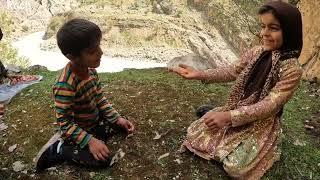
[(7, 91)]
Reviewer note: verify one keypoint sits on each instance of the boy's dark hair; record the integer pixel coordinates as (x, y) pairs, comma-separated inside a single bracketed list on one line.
[(76, 35)]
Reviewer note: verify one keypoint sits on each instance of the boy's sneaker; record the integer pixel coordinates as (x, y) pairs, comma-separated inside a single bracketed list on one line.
[(202, 110), (50, 154)]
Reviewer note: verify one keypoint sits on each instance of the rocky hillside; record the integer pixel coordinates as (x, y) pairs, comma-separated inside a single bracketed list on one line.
[(153, 29), (236, 20), (32, 15), (159, 30), (162, 29), (310, 57)]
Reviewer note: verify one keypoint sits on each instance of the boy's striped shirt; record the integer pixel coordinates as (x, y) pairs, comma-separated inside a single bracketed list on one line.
[(80, 105)]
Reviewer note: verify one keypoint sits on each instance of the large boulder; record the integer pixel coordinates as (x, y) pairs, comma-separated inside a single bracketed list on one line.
[(310, 56), (163, 7)]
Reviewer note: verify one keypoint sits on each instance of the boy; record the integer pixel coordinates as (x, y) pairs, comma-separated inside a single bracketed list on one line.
[(80, 105)]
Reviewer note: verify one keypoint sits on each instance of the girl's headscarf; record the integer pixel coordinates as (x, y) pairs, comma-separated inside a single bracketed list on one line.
[(291, 25)]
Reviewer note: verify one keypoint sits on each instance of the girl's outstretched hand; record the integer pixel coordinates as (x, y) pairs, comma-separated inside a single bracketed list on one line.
[(187, 72)]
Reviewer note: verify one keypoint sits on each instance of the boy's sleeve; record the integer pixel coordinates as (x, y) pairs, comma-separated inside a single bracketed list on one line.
[(290, 75), (105, 108), (63, 99)]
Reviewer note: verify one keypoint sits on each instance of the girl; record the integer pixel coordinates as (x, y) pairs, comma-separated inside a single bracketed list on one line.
[(244, 134)]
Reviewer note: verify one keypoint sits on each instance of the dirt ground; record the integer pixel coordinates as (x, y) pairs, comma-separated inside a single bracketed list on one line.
[(162, 106)]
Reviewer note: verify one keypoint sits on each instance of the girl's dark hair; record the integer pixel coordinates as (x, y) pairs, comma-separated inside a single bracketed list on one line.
[(268, 9), (265, 9), (77, 35)]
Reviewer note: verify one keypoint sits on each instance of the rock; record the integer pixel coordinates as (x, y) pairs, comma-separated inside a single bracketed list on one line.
[(12, 148), (163, 7), (92, 174), (129, 135), (310, 56), (3, 126), (18, 166), (158, 136), (297, 142), (308, 127), (163, 156), (119, 155), (52, 169), (13, 69), (192, 60), (37, 68), (177, 161)]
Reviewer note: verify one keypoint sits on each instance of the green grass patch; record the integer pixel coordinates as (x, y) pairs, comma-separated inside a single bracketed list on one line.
[(156, 101)]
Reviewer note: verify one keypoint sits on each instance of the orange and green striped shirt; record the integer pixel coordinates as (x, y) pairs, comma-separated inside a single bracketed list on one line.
[(80, 105)]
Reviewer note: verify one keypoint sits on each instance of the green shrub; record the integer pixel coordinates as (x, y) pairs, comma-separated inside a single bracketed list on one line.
[(6, 22), (9, 55)]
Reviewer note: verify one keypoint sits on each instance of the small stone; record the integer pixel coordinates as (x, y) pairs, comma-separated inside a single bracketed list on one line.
[(158, 136), (308, 127), (26, 142), (299, 143), (163, 156), (12, 148), (52, 169), (18, 166), (119, 155), (129, 136), (3, 126), (92, 174), (177, 161), (23, 111)]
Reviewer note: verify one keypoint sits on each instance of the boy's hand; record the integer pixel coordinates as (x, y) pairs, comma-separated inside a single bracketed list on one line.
[(127, 125), (98, 149)]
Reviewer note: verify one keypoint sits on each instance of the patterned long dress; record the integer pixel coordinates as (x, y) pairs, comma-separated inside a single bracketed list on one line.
[(249, 147)]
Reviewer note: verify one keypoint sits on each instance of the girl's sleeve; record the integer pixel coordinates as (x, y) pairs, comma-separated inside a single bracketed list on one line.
[(229, 72), (290, 75)]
